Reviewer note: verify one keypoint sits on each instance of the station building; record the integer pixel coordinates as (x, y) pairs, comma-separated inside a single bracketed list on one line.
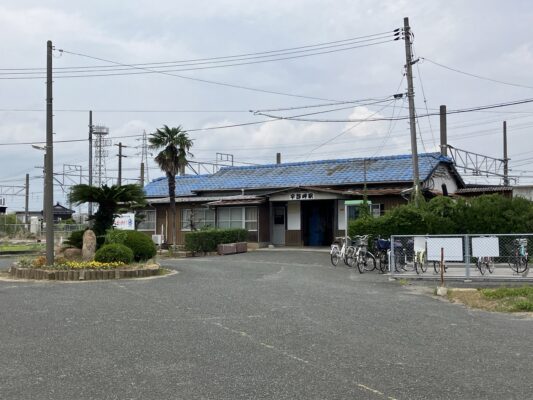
[(294, 204)]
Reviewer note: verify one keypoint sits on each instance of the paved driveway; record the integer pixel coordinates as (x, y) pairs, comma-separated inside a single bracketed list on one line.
[(262, 325)]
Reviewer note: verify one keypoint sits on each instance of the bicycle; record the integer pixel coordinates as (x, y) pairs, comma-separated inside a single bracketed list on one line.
[(485, 264), (519, 261), (436, 267), (382, 255), (345, 252), (420, 261), (364, 260), (400, 257)]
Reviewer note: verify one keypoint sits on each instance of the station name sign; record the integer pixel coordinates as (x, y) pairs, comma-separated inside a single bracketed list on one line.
[(302, 196)]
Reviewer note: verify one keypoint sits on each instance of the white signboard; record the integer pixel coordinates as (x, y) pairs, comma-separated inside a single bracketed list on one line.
[(453, 248), (485, 246), (125, 222)]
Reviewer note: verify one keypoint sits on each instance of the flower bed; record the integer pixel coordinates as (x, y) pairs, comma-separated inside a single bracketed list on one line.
[(79, 271)]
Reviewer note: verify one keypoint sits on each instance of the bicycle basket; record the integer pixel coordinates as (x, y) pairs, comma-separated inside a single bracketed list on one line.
[(361, 241), (383, 244)]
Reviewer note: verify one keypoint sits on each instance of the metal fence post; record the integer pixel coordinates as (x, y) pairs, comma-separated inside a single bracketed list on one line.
[(467, 256), (391, 258)]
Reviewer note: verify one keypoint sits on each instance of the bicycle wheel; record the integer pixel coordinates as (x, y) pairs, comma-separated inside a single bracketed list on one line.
[(436, 267), (335, 256), (481, 266), (359, 261), (383, 262), (370, 261), (417, 267), (348, 256), (490, 265), (522, 264), (424, 265)]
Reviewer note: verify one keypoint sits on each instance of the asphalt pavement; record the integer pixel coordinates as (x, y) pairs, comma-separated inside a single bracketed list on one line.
[(260, 325)]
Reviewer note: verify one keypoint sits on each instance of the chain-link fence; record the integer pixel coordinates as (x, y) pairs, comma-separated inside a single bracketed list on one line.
[(466, 256), (37, 231)]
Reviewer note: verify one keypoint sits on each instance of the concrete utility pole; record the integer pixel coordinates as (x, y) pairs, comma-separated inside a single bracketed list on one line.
[(119, 180), (505, 159), (443, 132), (49, 162), (27, 202), (142, 174), (90, 206), (411, 98)]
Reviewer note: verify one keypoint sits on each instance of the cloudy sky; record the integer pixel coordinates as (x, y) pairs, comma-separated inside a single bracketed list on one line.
[(193, 39)]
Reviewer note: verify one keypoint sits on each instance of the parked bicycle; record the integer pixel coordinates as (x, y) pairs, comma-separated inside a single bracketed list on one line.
[(382, 254), (485, 264), (364, 260), (519, 260), (345, 252), (420, 262)]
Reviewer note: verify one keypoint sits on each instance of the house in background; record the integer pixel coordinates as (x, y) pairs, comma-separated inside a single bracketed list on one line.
[(296, 204), (61, 213)]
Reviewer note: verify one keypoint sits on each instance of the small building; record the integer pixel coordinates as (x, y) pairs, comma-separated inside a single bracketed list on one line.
[(3, 206), (296, 204), (61, 213)]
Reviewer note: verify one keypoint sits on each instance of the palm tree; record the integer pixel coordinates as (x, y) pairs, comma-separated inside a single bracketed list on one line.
[(175, 145), (109, 200)]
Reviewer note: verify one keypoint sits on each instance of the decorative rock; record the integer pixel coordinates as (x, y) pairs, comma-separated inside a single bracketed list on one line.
[(89, 245), (72, 253)]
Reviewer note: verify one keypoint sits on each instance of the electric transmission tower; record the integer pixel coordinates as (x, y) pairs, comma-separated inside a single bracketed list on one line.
[(101, 142), (144, 153)]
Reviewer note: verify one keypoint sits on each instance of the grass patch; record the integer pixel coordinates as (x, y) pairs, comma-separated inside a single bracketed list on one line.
[(403, 281), (504, 299), (21, 247)]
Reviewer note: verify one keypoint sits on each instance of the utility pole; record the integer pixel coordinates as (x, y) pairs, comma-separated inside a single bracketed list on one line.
[(119, 180), (411, 98), (142, 174), (443, 132), (27, 202), (505, 159), (49, 164), (90, 206)]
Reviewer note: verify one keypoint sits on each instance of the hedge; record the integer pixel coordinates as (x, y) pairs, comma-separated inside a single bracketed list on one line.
[(209, 239), (443, 215), (114, 253)]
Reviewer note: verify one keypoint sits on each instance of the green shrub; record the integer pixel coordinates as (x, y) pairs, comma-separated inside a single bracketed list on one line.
[(115, 236), (114, 253), (207, 240), (76, 239), (142, 245)]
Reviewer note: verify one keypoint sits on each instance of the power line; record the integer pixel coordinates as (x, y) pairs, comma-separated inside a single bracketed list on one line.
[(458, 111), (476, 76), (343, 42), (203, 80), (111, 70)]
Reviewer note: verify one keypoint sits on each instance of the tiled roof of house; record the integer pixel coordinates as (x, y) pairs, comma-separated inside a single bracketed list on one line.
[(309, 173)]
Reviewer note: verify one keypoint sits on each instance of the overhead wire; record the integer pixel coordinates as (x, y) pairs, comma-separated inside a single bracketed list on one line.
[(374, 36), (475, 75), (449, 112)]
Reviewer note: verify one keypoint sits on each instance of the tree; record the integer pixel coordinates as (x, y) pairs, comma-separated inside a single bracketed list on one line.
[(175, 145), (109, 199)]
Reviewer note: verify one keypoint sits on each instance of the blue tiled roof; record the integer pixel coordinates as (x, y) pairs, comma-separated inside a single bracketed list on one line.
[(310, 173), (184, 185)]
